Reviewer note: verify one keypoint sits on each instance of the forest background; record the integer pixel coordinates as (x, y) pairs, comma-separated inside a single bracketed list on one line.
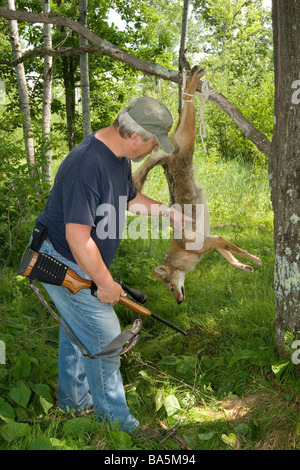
[(224, 387)]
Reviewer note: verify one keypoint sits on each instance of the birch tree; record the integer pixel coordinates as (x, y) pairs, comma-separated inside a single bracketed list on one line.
[(47, 97), (84, 74), (22, 86), (182, 63)]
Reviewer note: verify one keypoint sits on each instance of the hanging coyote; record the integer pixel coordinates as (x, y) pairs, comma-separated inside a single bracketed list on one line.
[(184, 189)]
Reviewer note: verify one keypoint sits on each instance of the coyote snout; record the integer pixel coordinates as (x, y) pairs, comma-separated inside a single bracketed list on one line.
[(173, 279)]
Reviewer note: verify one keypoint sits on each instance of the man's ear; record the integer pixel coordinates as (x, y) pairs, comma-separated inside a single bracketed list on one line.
[(134, 137)]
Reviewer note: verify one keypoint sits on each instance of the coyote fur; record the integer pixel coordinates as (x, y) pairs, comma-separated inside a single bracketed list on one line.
[(184, 189)]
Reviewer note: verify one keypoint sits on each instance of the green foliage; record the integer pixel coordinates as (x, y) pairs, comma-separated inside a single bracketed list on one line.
[(237, 56), (21, 195)]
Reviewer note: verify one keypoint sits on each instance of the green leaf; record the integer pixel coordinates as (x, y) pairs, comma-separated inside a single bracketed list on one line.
[(23, 366), (43, 390), (242, 428), (206, 436), (121, 440), (288, 398), (168, 361), (73, 426), (158, 400), (14, 430), (186, 367), (61, 445), (279, 368), (21, 414), (6, 412), (50, 364), (168, 364), (231, 440), (46, 405), (77, 425), (144, 374), (41, 442), (20, 394), (171, 405), (245, 354)]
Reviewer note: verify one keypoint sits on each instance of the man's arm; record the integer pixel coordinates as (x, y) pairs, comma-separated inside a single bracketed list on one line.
[(144, 205), (88, 257)]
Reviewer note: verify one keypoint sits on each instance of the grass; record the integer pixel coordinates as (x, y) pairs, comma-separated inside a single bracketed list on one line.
[(221, 387)]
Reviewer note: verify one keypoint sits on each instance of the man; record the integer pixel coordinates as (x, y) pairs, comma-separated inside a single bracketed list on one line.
[(94, 176)]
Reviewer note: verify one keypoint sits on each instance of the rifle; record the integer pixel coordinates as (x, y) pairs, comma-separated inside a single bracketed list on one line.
[(46, 269)]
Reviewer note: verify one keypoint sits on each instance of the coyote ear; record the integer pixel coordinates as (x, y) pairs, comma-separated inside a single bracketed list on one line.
[(162, 270)]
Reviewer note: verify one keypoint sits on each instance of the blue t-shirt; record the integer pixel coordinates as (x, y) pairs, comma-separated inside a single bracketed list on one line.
[(92, 187)]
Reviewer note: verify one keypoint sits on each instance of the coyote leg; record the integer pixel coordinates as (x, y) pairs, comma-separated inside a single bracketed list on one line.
[(140, 175), (226, 248), (236, 263)]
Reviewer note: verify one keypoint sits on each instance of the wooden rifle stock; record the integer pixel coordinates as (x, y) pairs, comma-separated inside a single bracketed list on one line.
[(39, 266)]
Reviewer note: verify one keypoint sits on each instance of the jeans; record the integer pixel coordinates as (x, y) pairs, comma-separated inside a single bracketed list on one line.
[(84, 382)]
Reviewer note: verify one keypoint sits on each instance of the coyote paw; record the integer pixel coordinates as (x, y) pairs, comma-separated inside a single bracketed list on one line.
[(245, 267)]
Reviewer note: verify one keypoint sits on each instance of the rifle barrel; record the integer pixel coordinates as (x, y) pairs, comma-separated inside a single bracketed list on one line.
[(154, 315), (144, 311)]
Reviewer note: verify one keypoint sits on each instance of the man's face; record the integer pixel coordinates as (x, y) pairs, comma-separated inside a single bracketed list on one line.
[(142, 148)]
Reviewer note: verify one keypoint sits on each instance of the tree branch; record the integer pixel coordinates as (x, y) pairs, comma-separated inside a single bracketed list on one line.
[(41, 51), (149, 68)]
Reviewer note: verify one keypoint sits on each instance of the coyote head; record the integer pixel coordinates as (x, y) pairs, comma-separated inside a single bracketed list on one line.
[(173, 279)]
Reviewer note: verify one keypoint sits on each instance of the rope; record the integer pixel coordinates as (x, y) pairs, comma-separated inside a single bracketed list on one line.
[(189, 94), (183, 88), (203, 98)]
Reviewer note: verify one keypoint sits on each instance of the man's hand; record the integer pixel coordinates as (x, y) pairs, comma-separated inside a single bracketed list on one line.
[(89, 258), (110, 293), (178, 220)]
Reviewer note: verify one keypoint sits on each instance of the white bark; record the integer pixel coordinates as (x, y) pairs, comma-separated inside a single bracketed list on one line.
[(84, 74), (47, 97), (22, 86), (182, 59)]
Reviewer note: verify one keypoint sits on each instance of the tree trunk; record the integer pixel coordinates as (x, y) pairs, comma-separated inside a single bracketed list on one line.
[(182, 50), (47, 98), (84, 74), (69, 67), (284, 167), (22, 87)]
